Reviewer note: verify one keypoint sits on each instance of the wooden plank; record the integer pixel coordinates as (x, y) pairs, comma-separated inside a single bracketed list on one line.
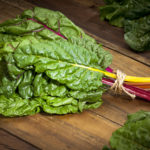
[(142, 57), (11, 142), (17, 4), (60, 132)]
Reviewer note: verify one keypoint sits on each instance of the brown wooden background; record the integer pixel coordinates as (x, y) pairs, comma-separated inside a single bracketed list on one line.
[(91, 129)]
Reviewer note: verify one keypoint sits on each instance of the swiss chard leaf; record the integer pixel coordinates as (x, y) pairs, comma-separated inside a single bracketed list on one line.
[(134, 135), (116, 12), (134, 16), (137, 33), (16, 106)]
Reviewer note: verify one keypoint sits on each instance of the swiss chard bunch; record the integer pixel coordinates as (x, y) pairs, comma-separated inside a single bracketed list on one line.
[(43, 65), (134, 16)]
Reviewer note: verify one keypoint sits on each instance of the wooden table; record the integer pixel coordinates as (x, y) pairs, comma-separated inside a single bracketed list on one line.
[(91, 129)]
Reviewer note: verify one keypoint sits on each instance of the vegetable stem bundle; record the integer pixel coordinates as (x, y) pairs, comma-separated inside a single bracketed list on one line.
[(134, 90), (112, 75)]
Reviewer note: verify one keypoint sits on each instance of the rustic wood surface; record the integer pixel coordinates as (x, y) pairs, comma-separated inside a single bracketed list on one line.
[(11, 142), (91, 129)]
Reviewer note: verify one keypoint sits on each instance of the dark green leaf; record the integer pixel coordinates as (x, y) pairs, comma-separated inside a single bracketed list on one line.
[(134, 16), (134, 135)]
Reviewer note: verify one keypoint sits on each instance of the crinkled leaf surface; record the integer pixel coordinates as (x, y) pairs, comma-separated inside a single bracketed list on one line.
[(45, 56), (134, 135), (134, 16), (116, 11), (137, 33)]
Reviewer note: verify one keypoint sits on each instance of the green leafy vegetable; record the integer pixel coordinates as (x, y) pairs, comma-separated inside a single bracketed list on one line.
[(137, 33), (106, 148), (134, 135), (40, 51), (134, 16)]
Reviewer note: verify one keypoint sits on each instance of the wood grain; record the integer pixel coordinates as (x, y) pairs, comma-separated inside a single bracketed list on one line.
[(11, 142), (61, 132), (91, 129)]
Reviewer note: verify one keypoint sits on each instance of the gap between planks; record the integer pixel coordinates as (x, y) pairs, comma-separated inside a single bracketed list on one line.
[(13, 140), (60, 131), (114, 47)]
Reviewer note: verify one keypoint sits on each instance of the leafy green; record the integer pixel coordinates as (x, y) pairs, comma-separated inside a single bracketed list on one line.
[(106, 148), (137, 33), (134, 135), (41, 54), (134, 16), (16, 106), (117, 11)]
